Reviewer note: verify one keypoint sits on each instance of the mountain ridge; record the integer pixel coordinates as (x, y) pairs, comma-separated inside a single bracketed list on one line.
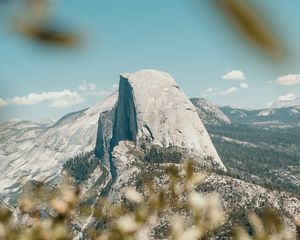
[(25, 153), (149, 125)]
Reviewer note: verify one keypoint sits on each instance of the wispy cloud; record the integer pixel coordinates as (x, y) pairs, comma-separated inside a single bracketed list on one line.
[(91, 89), (58, 99), (209, 90), (244, 85), (288, 80), (231, 75), (234, 75), (85, 86), (215, 92), (2, 102), (103, 92), (229, 90)]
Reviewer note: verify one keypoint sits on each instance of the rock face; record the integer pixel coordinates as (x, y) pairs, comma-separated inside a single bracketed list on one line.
[(237, 197), (104, 136), (36, 152), (152, 109), (135, 134), (209, 113)]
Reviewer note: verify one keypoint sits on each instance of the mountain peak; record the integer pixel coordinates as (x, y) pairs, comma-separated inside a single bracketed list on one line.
[(149, 75), (209, 113), (286, 101), (152, 108)]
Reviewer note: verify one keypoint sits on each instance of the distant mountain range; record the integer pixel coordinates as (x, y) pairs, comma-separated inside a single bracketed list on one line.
[(209, 113), (140, 131), (270, 117), (286, 101), (261, 146), (278, 117)]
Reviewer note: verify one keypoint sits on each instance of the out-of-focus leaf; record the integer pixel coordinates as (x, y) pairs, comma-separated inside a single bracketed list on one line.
[(48, 35), (38, 8), (35, 22), (251, 25)]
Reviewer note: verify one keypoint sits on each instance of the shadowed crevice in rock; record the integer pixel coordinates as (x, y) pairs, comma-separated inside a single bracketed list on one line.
[(125, 124), (116, 125), (104, 135), (151, 108)]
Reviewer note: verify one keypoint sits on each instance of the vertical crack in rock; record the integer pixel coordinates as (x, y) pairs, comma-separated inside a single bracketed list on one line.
[(116, 125), (104, 135), (125, 124)]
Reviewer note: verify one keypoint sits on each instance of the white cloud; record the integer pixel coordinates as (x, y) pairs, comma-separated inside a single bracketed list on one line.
[(3, 102), (114, 87), (244, 85), (90, 89), (288, 80), (268, 82), (107, 92), (85, 86), (58, 99), (234, 75), (215, 92), (100, 93), (228, 91), (65, 98), (68, 100), (209, 90)]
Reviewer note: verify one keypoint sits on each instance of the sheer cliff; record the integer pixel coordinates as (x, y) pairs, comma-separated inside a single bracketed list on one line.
[(153, 110)]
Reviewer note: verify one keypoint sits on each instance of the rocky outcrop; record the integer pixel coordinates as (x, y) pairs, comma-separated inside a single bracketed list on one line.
[(152, 109), (238, 197), (139, 133), (104, 135), (125, 121), (37, 152), (209, 113)]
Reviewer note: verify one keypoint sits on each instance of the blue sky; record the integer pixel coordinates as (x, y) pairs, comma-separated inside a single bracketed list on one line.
[(189, 39)]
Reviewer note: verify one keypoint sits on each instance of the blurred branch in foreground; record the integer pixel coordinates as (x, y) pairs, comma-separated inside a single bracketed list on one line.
[(193, 215), (243, 16), (247, 21), (34, 21), (48, 35)]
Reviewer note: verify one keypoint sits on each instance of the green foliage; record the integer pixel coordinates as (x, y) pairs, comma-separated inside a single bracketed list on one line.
[(269, 157), (191, 215), (158, 154), (81, 166)]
